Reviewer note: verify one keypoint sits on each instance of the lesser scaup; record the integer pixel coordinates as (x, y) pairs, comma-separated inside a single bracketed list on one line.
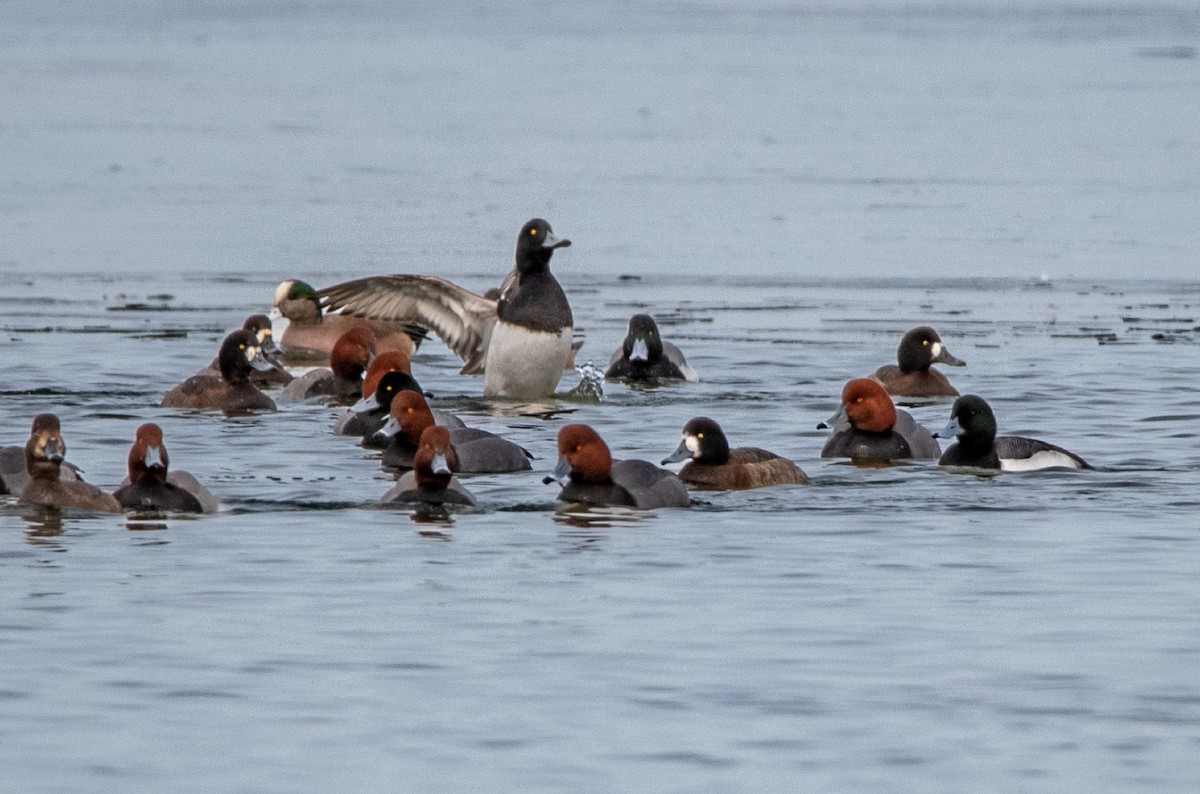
[(919, 350), (645, 355), (520, 342), (43, 460), (712, 464), (973, 423), (232, 391), (589, 475)]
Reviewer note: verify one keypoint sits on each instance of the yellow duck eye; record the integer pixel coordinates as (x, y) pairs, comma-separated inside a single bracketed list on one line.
[(699, 435), (925, 342), (241, 347), (389, 388), (533, 232)]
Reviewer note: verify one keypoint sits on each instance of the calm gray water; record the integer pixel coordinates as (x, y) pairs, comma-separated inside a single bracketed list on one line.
[(796, 187)]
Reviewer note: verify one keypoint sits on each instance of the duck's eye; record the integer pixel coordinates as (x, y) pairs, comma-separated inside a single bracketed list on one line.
[(389, 388), (925, 342), (410, 410), (858, 399), (699, 435), (241, 347), (533, 232)]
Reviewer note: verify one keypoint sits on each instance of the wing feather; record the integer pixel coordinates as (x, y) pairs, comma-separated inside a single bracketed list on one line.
[(460, 318)]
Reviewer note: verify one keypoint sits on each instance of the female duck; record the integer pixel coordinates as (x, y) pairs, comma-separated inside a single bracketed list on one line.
[(712, 464), (260, 326), (344, 379), (43, 458), (233, 391), (519, 342), (311, 333), (919, 350), (478, 451), (152, 487), (644, 355), (865, 428), (431, 481), (978, 447), (589, 475)]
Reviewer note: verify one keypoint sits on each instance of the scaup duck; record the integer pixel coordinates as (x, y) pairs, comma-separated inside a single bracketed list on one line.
[(645, 355), (232, 391), (312, 332), (520, 342), (589, 475), (973, 423), (43, 460), (712, 464), (479, 452), (151, 486), (866, 428), (919, 350), (348, 362), (431, 480)]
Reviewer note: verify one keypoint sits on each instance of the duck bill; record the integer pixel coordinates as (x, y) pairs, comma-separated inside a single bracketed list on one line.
[(839, 418), (365, 405), (640, 351), (681, 453), (153, 458), (440, 465), (55, 450), (551, 241), (561, 473), (390, 428), (260, 362), (951, 430), (944, 357)]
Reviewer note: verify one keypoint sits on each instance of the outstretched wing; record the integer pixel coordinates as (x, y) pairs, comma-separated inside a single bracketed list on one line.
[(460, 318)]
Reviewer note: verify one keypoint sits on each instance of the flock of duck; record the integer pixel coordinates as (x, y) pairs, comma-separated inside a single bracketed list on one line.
[(520, 338)]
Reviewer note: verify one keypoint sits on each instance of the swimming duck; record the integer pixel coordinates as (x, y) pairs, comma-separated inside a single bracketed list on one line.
[(519, 342), (712, 464), (914, 377), (14, 475), (644, 355), (978, 447), (43, 460), (366, 417), (260, 326), (238, 357), (479, 452), (152, 487), (867, 427), (431, 480), (343, 380), (312, 332), (589, 475)]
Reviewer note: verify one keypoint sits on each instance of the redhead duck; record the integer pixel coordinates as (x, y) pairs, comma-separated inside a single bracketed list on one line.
[(644, 355), (239, 356), (43, 460), (520, 342), (311, 332), (347, 362), (866, 428), (479, 452), (589, 475), (152, 487), (919, 350), (431, 480), (978, 447), (712, 464), (276, 375)]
